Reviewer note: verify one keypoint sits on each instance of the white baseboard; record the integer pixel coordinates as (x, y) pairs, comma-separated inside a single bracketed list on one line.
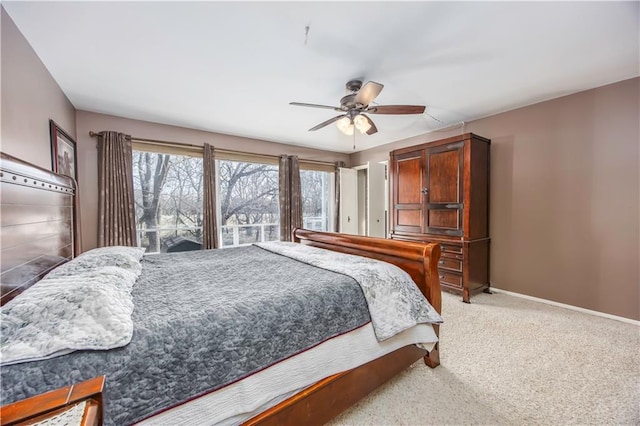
[(563, 305)]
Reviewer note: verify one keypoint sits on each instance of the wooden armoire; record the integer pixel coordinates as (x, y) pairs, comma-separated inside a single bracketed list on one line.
[(440, 193)]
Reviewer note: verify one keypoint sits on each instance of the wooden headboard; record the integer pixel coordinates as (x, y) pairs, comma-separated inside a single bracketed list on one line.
[(37, 223)]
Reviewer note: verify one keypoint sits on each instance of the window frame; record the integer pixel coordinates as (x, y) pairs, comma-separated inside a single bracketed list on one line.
[(176, 148)]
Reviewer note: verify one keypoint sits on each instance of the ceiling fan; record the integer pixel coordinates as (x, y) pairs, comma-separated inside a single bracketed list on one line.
[(354, 106)]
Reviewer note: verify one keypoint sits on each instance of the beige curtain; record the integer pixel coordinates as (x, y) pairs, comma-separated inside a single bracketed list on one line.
[(290, 197), (336, 210), (210, 219), (116, 209)]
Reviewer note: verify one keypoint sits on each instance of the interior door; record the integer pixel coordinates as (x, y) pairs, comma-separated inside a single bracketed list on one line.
[(376, 191), (348, 201), (363, 200)]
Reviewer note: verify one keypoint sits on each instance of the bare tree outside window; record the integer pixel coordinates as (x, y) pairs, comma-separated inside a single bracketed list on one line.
[(149, 175), (183, 196), (249, 210), (168, 197), (168, 193)]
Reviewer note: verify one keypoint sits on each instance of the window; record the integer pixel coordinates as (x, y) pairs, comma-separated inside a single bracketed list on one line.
[(248, 202), (168, 194), (317, 196)]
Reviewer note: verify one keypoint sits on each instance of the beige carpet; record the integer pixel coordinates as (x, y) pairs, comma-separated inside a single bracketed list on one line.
[(511, 361)]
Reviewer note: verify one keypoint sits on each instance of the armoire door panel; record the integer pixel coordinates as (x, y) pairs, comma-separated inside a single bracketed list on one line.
[(445, 189), (444, 172), (446, 219), (408, 196), (409, 218), (409, 180)]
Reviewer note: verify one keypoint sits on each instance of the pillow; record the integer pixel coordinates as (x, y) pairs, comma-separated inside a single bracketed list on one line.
[(122, 278), (123, 257), (62, 314)]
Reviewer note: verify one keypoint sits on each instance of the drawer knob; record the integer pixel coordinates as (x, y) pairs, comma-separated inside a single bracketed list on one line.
[(442, 277), (441, 262)]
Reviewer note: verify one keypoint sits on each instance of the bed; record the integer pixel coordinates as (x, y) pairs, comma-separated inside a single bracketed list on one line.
[(300, 398)]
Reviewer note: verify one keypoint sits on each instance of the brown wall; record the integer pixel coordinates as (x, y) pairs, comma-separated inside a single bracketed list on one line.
[(30, 97), (565, 196), (88, 155)]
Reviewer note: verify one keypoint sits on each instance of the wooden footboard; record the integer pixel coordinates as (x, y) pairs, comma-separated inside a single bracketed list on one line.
[(331, 396), (420, 260)]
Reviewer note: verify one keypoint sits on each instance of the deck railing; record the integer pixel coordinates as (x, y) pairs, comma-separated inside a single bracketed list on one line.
[(231, 235)]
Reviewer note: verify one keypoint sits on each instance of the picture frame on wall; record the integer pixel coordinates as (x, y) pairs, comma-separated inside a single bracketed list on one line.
[(63, 151)]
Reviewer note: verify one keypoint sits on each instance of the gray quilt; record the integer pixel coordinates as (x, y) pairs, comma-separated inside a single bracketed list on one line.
[(203, 320), (395, 303)]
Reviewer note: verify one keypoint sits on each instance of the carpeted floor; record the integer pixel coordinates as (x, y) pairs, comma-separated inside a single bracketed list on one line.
[(511, 361)]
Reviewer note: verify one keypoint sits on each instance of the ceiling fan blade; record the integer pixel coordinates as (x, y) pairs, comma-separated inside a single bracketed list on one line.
[(368, 93), (326, 123), (397, 109), (373, 129), (314, 106)]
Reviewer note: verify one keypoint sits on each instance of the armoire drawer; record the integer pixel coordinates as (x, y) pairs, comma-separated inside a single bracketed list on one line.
[(449, 278), (450, 263), (452, 249), (452, 252)]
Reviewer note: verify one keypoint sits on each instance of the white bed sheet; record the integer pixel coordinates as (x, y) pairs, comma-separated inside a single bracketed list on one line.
[(244, 399)]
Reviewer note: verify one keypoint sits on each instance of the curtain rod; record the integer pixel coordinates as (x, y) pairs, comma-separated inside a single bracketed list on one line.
[(222, 151), (154, 141)]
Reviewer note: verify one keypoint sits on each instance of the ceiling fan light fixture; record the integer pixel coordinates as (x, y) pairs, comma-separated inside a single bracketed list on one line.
[(345, 125), (361, 123), (354, 106)]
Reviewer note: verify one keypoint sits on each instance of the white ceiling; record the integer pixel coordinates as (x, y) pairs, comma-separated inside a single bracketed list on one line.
[(233, 67)]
